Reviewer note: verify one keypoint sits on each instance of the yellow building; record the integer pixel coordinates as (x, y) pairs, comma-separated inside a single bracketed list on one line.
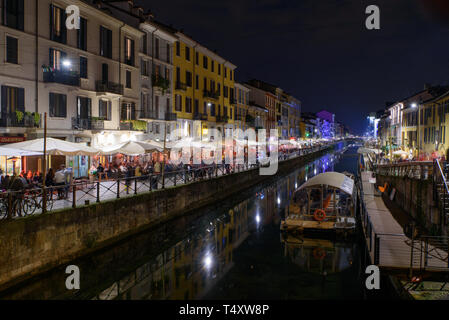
[(433, 120), (204, 88)]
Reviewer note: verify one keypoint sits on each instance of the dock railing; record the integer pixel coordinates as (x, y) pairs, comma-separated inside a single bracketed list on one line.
[(399, 251), (422, 170)]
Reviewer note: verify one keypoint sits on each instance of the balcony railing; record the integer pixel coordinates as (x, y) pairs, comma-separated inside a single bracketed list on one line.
[(211, 94), (70, 78), (171, 116), (20, 120), (133, 125), (87, 124), (221, 119), (200, 116), (161, 82), (109, 87), (181, 86)]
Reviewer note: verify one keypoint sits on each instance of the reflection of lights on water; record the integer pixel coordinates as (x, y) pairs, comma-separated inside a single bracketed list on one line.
[(279, 200), (306, 178), (296, 186), (208, 261), (314, 171), (258, 219), (262, 196)]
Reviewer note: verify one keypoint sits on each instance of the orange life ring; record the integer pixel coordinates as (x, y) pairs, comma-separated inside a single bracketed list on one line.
[(319, 253), (319, 215)]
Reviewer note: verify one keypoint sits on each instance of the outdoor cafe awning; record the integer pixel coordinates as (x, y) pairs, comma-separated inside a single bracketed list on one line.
[(131, 148), (55, 147), (16, 152)]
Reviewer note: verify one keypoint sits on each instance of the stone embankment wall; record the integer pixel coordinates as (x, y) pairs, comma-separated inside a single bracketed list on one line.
[(32, 245)]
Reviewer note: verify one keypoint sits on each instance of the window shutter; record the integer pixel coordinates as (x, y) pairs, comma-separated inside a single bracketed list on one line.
[(123, 112), (109, 44), (21, 99), (52, 105), (4, 105), (51, 22), (63, 27), (64, 106), (20, 14)]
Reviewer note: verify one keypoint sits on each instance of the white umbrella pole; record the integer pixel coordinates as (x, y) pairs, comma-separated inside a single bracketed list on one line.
[(44, 195)]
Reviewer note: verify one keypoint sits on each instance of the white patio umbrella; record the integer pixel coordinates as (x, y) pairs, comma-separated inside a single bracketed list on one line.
[(400, 153), (16, 152), (130, 148), (55, 147)]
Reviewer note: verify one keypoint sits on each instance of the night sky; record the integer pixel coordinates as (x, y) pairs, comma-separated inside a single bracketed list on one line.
[(320, 50)]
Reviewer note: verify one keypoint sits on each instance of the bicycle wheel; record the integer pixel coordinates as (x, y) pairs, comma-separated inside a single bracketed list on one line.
[(3, 210), (17, 208), (29, 206)]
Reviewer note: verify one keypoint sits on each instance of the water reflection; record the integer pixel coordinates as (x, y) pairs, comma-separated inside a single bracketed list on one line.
[(228, 252)]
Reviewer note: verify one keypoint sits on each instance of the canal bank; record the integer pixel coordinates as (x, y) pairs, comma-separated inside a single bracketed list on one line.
[(36, 244), (227, 250)]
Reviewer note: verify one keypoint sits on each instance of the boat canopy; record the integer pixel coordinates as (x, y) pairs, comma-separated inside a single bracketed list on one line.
[(333, 179)]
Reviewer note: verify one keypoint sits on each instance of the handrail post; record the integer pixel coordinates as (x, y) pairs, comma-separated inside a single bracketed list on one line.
[(73, 196), (98, 191), (118, 188)]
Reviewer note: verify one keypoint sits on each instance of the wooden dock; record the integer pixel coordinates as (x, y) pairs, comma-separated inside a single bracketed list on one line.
[(387, 244)]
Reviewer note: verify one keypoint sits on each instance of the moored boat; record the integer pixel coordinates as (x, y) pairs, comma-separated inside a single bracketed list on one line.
[(325, 203)]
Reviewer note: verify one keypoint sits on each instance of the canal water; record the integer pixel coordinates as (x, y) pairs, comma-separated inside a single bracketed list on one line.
[(231, 250)]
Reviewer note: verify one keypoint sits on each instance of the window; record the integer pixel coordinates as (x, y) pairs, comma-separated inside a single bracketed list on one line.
[(219, 69), (178, 49), (82, 35), (188, 78), (84, 107), (205, 84), (168, 52), (104, 109), (225, 91), (145, 44), (128, 111), (13, 14), (129, 51), (197, 106), (105, 42), (205, 62), (56, 57), (212, 110), (13, 99), (178, 103), (83, 67), (58, 30), (188, 105), (12, 50), (231, 74), (128, 79), (144, 68), (187, 53), (156, 48), (197, 82), (225, 72), (213, 66), (58, 105)]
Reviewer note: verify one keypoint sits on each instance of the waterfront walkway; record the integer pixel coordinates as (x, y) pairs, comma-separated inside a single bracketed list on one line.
[(87, 192), (387, 244)]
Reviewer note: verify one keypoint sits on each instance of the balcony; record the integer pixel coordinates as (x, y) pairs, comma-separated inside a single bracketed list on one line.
[(211, 94), (133, 125), (109, 87), (20, 120), (200, 116), (87, 124), (222, 119), (181, 86), (150, 115), (171, 117), (69, 78), (161, 82)]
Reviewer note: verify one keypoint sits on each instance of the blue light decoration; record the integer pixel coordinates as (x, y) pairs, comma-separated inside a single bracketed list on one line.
[(326, 130)]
